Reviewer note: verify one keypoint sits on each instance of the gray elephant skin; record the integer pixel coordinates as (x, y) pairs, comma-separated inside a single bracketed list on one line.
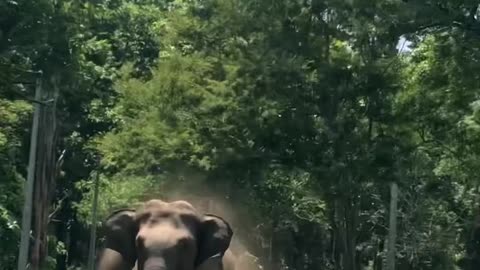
[(163, 235)]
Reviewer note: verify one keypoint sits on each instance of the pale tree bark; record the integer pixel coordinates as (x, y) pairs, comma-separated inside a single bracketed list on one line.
[(392, 230), (29, 184), (46, 173), (93, 228)]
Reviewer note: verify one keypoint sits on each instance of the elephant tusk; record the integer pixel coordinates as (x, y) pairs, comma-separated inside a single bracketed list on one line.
[(216, 255)]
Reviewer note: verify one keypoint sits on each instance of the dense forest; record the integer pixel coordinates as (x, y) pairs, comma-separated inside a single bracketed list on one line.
[(292, 118)]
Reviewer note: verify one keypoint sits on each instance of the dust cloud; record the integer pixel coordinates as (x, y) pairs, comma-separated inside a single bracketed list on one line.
[(207, 197)]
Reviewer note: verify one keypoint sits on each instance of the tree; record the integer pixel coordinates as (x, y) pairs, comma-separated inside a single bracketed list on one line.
[(301, 112)]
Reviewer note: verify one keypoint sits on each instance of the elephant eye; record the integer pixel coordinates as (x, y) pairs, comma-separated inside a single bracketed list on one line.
[(143, 217), (184, 242), (164, 215), (189, 220)]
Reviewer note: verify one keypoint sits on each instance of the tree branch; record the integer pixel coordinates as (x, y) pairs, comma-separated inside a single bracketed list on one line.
[(59, 206), (59, 162)]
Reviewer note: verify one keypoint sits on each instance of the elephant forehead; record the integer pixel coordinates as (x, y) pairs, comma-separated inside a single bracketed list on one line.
[(158, 206), (183, 206), (177, 205), (179, 212), (155, 204)]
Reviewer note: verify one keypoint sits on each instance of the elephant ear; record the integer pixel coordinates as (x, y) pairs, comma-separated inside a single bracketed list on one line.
[(120, 232), (214, 238)]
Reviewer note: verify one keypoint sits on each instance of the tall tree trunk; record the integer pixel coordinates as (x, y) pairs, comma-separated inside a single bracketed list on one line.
[(345, 225), (392, 230), (275, 247), (349, 232), (93, 230), (351, 220), (29, 184), (339, 235), (46, 173), (378, 260)]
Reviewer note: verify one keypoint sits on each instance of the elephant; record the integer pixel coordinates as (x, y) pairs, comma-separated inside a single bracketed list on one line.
[(163, 235)]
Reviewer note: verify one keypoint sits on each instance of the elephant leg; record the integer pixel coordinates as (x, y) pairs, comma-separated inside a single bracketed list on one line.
[(228, 260), (111, 259)]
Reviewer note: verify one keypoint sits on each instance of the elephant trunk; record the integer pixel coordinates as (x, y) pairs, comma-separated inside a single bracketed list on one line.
[(154, 264)]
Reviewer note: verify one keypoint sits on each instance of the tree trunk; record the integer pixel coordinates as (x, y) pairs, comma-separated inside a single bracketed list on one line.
[(350, 235), (275, 247), (93, 230), (351, 226), (345, 226), (30, 183), (46, 173), (378, 260), (392, 230), (339, 250)]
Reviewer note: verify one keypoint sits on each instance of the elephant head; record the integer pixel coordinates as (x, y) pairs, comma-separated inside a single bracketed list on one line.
[(163, 236)]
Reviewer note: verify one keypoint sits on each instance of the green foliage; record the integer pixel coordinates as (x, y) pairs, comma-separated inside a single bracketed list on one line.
[(126, 192), (306, 135), (175, 103), (55, 248), (13, 116), (10, 231), (302, 110)]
